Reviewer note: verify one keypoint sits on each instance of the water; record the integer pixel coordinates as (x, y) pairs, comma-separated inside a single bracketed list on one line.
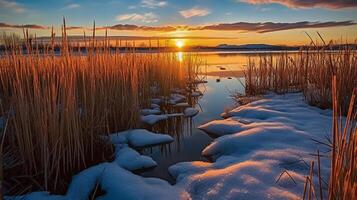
[(190, 142)]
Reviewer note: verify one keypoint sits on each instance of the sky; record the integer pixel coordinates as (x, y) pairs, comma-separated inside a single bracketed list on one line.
[(199, 22)]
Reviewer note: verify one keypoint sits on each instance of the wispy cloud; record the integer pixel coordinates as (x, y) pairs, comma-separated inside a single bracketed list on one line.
[(29, 26), (142, 28), (153, 3), (260, 27), (72, 6), (330, 4), (146, 17), (265, 27), (194, 12), (13, 6)]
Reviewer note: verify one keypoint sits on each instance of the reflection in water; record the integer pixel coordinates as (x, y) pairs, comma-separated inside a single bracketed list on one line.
[(180, 56), (189, 140)]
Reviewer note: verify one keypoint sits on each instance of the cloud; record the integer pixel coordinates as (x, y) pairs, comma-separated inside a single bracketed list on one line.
[(194, 12), (153, 3), (75, 28), (146, 17), (330, 4), (265, 27), (29, 26), (260, 27), (12, 5), (72, 6), (142, 28)]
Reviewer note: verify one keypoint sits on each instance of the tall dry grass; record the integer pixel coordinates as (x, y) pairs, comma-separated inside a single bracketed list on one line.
[(58, 104), (308, 71), (343, 177), (342, 184)]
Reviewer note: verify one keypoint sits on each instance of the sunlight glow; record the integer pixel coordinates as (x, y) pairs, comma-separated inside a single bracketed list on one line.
[(180, 43), (180, 56)]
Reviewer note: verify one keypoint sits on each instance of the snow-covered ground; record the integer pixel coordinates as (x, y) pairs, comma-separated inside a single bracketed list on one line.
[(262, 151)]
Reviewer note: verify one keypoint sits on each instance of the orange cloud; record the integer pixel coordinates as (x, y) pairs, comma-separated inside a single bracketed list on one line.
[(331, 4), (29, 26), (272, 26)]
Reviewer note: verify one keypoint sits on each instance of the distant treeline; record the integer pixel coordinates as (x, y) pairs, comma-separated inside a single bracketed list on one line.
[(84, 49)]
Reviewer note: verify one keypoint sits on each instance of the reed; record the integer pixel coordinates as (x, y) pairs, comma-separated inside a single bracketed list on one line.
[(58, 103), (343, 177), (308, 71)]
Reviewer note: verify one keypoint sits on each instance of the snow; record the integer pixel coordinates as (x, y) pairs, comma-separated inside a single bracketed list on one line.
[(153, 119), (176, 98), (156, 101), (196, 94), (139, 138), (190, 112), (131, 160), (263, 151), (155, 106), (115, 178), (183, 104), (259, 142), (148, 111)]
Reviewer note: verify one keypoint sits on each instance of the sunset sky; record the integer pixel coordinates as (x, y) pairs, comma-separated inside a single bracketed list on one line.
[(201, 22)]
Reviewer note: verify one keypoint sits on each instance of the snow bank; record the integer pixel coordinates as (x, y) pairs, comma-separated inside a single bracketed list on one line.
[(153, 119), (139, 138), (263, 153), (131, 160), (148, 111), (190, 112), (176, 98), (196, 93)]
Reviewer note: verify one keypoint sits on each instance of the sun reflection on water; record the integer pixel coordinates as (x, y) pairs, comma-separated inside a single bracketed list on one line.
[(180, 56)]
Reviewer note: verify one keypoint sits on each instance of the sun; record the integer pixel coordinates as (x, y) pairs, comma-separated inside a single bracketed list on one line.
[(180, 43)]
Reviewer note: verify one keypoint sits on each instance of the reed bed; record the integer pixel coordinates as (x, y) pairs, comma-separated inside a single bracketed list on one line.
[(308, 71), (57, 105), (342, 183)]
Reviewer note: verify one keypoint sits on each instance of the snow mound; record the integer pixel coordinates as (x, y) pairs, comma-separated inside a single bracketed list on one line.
[(148, 111), (131, 160), (156, 101), (196, 93), (139, 138), (183, 104), (263, 151), (190, 112), (176, 98), (153, 119)]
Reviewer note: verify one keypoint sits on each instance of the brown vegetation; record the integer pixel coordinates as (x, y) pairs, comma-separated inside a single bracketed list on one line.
[(58, 104)]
